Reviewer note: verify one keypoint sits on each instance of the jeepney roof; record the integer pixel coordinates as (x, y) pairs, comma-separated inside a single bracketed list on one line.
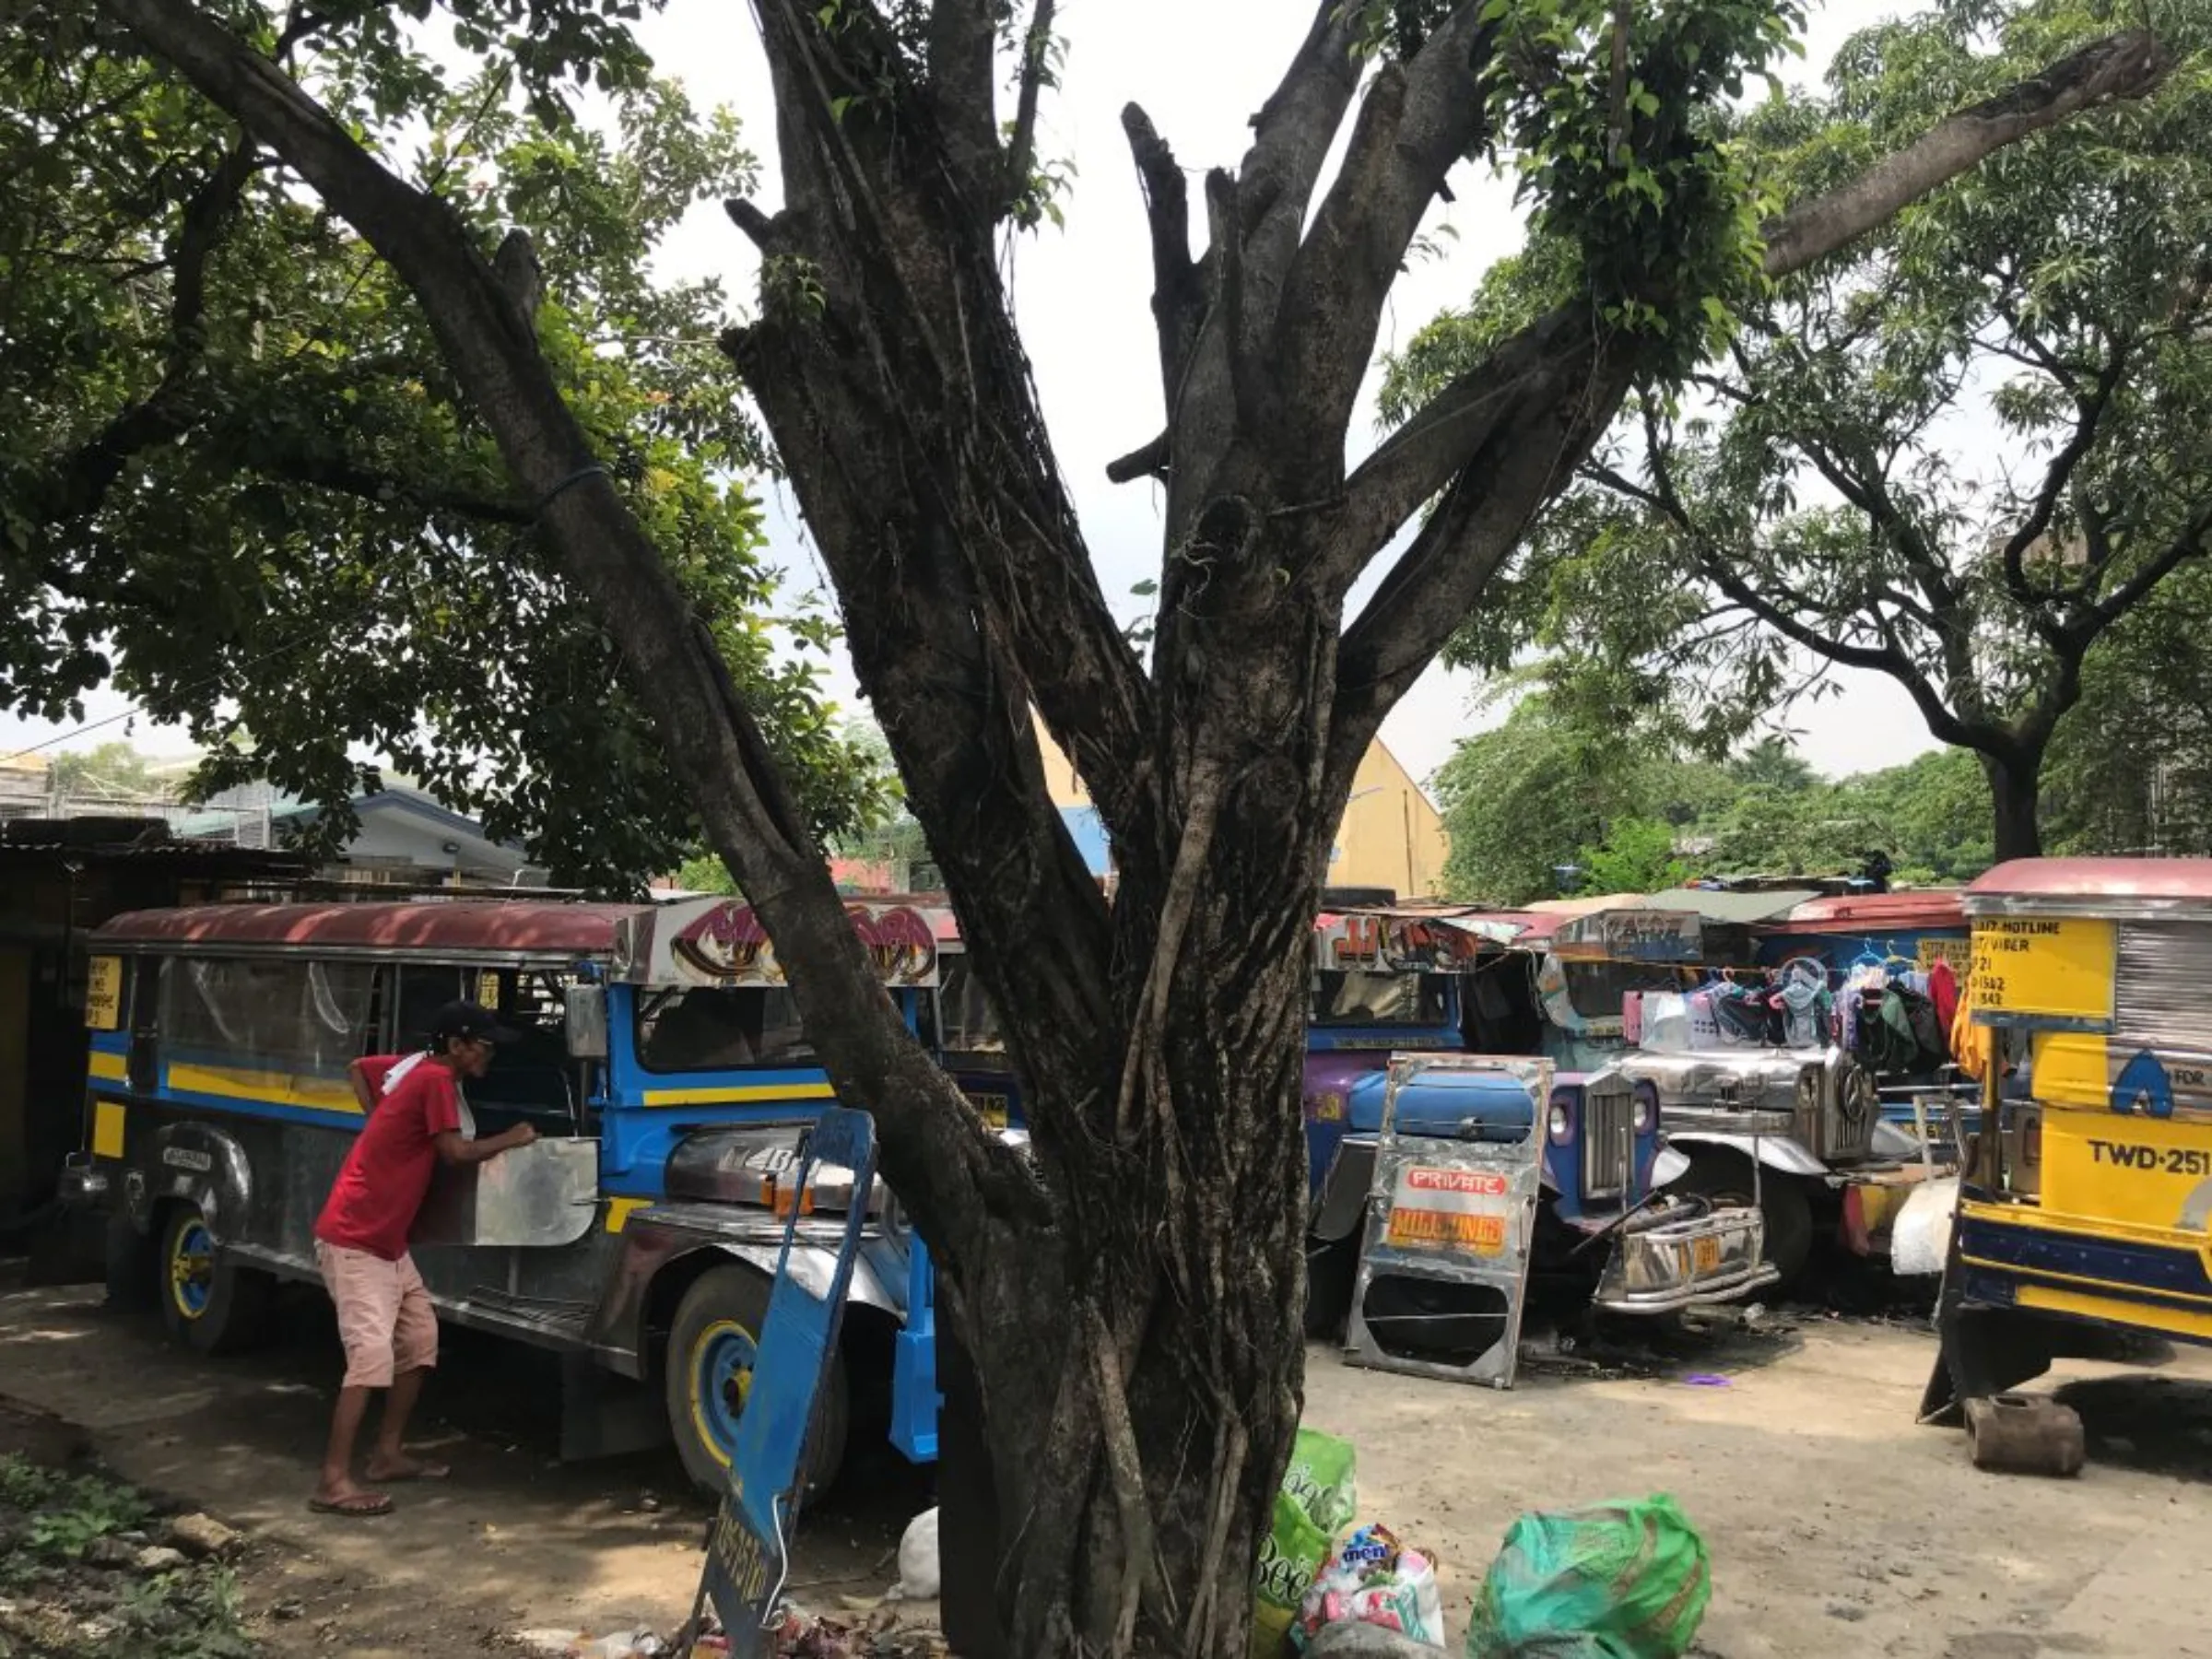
[(1874, 912), (473, 926), (699, 941), (2143, 888)]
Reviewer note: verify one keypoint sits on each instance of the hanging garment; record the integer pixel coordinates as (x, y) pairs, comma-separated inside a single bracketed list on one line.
[(1803, 1003), (1942, 990)]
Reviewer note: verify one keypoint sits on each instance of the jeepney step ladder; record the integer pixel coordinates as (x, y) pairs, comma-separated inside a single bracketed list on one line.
[(1443, 1273)]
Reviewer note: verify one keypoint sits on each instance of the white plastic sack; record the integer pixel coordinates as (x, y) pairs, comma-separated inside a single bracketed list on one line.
[(919, 1576)]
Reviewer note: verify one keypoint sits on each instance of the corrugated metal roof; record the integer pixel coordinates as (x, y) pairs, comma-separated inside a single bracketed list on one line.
[(1729, 909)]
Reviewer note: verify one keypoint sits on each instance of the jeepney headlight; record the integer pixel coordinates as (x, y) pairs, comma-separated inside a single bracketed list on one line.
[(1560, 1122), (1644, 1113)]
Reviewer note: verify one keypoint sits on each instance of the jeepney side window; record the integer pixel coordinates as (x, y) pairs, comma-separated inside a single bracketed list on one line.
[(968, 1024), (1354, 997), (701, 1029), (423, 990), (310, 1016)]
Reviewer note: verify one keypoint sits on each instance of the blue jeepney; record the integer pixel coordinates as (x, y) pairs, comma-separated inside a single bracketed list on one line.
[(661, 1059), (1404, 982)]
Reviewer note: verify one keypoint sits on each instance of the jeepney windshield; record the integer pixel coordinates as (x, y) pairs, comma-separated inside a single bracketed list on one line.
[(966, 1023), (1596, 989), (1352, 998), (700, 1028)]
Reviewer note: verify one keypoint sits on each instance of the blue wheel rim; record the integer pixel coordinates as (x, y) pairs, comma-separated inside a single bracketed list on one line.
[(192, 1269), (722, 1377)]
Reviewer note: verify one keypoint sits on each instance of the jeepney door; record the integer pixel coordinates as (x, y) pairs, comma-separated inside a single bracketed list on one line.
[(545, 1193)]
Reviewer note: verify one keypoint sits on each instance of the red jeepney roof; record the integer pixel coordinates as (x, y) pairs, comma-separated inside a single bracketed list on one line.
[(2183, 879), (520, 926), (1875, 912)]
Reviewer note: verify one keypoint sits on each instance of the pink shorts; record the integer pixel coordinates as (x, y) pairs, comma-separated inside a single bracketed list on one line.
[(384, 1315)]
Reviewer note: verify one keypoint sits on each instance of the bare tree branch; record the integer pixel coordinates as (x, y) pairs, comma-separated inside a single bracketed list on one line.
[(1177, 293), (1021, 147), (2130, 64), (1417, 121)]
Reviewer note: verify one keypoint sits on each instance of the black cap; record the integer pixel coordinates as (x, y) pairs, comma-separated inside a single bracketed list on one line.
[(470, 1020)]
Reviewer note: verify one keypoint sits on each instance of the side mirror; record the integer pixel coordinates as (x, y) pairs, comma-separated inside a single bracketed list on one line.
[(584, 1012)]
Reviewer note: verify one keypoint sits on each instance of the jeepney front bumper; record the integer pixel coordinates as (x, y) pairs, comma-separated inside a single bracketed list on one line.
[(1700, 1262)]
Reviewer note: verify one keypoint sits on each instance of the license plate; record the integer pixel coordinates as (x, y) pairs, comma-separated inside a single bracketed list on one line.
[(1704, 1254)]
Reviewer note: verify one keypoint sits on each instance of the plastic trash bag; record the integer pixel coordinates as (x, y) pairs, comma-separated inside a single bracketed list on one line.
[(1372, 1579), (1625, 1580), (1318, 1497)]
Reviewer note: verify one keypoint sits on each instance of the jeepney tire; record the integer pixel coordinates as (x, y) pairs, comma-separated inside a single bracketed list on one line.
[(233, 1302), (1332, 1274), (737, 1293), (1725, 1176)]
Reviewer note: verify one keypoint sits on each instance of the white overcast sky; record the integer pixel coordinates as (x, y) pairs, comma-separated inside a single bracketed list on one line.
[(1200, 67)]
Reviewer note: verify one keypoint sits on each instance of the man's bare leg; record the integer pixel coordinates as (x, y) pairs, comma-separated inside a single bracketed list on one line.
[(337, 1490), (390, 1461)]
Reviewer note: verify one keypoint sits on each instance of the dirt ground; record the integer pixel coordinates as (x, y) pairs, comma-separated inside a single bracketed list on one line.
[(1835, 1526)]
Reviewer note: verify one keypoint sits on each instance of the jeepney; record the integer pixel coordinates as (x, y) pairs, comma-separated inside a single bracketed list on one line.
[(1785, 1129), (660, 1058), (1909, 932), (2087, 1216), (1398, 983)]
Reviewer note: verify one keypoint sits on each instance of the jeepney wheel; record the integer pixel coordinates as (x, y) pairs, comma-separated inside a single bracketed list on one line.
[(1724, 1177), (210, 1305), (708, 1373), (1332, 1273)]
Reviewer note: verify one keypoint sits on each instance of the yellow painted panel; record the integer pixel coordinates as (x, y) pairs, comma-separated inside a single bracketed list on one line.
[(2073, 1068), (2153, 1175), (276, 1089), (103, 994), (2175, 1321), (2057, 966), (109, 1068), (751, 1095), (619, 1210), (107, 1129)]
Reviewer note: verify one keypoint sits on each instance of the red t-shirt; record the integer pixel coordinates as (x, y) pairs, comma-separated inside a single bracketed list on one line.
[(387, 1174)]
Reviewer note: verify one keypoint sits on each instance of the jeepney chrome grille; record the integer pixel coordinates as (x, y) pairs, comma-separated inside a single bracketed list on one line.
[(1608, 1148)]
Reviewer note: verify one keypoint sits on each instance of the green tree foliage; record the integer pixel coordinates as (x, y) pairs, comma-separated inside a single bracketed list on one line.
[(1524, 800), (2131, 767), (237, 478), (1813, 499), (1629, 814), (1637, 856), (107, 768)]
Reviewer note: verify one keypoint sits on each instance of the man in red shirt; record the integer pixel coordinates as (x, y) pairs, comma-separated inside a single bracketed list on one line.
[(384, 1315)]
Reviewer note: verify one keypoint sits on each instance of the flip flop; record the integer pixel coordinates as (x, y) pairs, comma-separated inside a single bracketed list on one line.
[(361, 1506), (421, 1471)]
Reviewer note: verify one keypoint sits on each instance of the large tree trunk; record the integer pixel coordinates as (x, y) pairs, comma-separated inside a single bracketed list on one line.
[(2014, 797)]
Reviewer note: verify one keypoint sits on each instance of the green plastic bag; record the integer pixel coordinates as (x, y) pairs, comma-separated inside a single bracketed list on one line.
[(1318, 1497), (1625, 1580)]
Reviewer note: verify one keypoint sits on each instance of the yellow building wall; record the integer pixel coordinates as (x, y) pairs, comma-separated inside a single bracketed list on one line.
[(1392, 835)]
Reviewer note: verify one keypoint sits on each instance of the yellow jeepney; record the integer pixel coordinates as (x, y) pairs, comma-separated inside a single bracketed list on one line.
[(2084, 1205)]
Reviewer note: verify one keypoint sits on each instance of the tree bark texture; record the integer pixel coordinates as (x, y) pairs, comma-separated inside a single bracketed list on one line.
[(2016, 798), (1132, 1293)]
